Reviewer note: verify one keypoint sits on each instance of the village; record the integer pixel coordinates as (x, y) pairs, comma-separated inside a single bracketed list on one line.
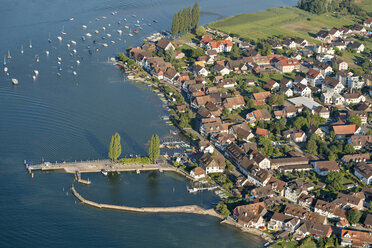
[(284, 125)]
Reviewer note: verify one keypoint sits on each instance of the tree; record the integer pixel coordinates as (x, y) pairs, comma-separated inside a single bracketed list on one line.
[(312, 147), (349, 149), (334, 181), (175, 24), (353, 216), (195, 16), (115, 147), (235, 51), (299, 122), (354, 119), (265, 145), (154, 148), (200, 31), (222, 208)]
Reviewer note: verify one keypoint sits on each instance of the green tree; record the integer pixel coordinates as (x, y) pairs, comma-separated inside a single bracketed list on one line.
[(312, 147), (349, 149), (265, 145), (154, 148), (354, 119), (195, 16), (175, 25), (334, 181), (115, 147), (300, 122), (235, 51), (200, 31), (222, 208), (353, 216)]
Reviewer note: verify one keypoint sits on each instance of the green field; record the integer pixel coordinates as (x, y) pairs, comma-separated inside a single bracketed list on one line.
[(286, 21)]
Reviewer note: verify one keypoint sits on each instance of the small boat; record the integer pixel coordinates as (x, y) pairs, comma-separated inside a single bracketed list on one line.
[(84, 26), (156, 21), (71, 19), (103, 28), (83, 38), (126, 27), (109, 25), (30, 46), (119, 31), (59, 38), (36, 72), (22, 49), (125, 19), (5, 69), (63, 30), (96, 31), (60, 68), (34, 77), (108, 35), (74, 51), (73, 42), (119, 22), (74, 72), (97, 49), (9, 57), (78, 62), (137, 25), (58, 74), (130, 34), (104, 45), (14, 81), (103, 37), (113, 42), (59, 63), (37, 58), (104, 172), (88, 35), (49, 39), (104, 17), (47, 53), (138, 21), (59, 58), (4, 63), (134, 15), (135, 31), (140, 28)]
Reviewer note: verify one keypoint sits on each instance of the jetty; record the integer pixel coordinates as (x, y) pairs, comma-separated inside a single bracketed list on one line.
[(190, 209), (96, 166)]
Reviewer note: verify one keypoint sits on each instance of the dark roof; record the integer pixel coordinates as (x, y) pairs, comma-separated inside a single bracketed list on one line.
[(163, 43)]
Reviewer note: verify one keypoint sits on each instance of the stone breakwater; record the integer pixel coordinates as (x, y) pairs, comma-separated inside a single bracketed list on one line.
[(191, 209)]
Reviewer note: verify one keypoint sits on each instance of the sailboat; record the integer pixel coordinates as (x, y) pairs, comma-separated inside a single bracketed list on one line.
[(49, 39), (47, 53), (5, 69), (73, 42), (36, 72), (14, 81), (59, 38), (63, 30), (37, 58), (4, 63), (30, 45), (9, 57), (22, 49)]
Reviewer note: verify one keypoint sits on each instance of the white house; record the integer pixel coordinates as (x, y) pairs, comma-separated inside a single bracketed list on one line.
[(363, 171), (197, 173), (323, 167)]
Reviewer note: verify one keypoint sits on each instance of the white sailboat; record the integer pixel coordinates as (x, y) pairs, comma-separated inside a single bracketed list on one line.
[(71, 19), (88, 35), (74, 72), (14, 81), (78, 62), (84, 26), (30, 46), (59, 38), (103, 28), (49, 39), (68, 45), (5, 69), (9, 57), (36, 72), (119, 31), (37, 58), (4, 63), (96, 31), (22, 49), (74, 51), (47, 53), (108, 35), (63, 30), (73, 42), (34, 77)]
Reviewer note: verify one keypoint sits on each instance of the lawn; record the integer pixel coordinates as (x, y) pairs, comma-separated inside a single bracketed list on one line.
[(286, 21), (293, 244)]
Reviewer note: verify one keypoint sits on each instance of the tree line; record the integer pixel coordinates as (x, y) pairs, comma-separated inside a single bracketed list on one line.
[(323, 6), (115, 148), (185, 20)]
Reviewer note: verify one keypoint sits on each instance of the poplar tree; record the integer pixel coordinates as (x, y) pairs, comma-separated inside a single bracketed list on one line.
[(115, 147), (175, 25), (188, 19), (183, 21), (195, 15), (154, 148)]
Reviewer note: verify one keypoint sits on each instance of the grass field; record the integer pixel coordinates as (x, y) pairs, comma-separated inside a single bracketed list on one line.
[(287, 21)]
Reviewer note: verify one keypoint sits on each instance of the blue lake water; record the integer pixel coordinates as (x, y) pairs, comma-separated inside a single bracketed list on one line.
[(72, 117)]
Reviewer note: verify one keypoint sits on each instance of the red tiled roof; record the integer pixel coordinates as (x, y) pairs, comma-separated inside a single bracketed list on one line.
[(345, 129), (262, 131)]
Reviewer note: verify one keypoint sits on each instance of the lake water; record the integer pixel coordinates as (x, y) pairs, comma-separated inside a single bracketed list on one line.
[(72, 117)]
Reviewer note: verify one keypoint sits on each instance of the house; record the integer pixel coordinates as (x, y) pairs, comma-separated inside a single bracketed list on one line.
[(262, 192), (353, 238), (294, 189), (358, 29), (289, 43), (301, 42), (360, 142), (299, 136), (315, 130), (368, 221), (234, 152), (227, 83), (314, 77), (301, 90), (277, 185), (322, 112), (323, 36), (241, 131), (287, 65), (306, 201), (306, 102), (340, 64), (255, 175), (300, 80), (283, 89), (277, 221), (164, 44), (291, 111), (170, 75), (333, 85), (345, 201), (277, 163), (330, 210), (250, 215), (342, 131), (261, 97), (356, 158), (234, 102), (259, 115), (332, 97), (221, 69), (363, 171), (272, 85), (354, 98), (199, 70), (368, 22), (212, 163), (197, 173), (262, 131), (322, 168), (314, 229), (357, 47), (324, 68)]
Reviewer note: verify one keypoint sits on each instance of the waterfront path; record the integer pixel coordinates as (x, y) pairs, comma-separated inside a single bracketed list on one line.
[(94, 166), (191, 209)]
